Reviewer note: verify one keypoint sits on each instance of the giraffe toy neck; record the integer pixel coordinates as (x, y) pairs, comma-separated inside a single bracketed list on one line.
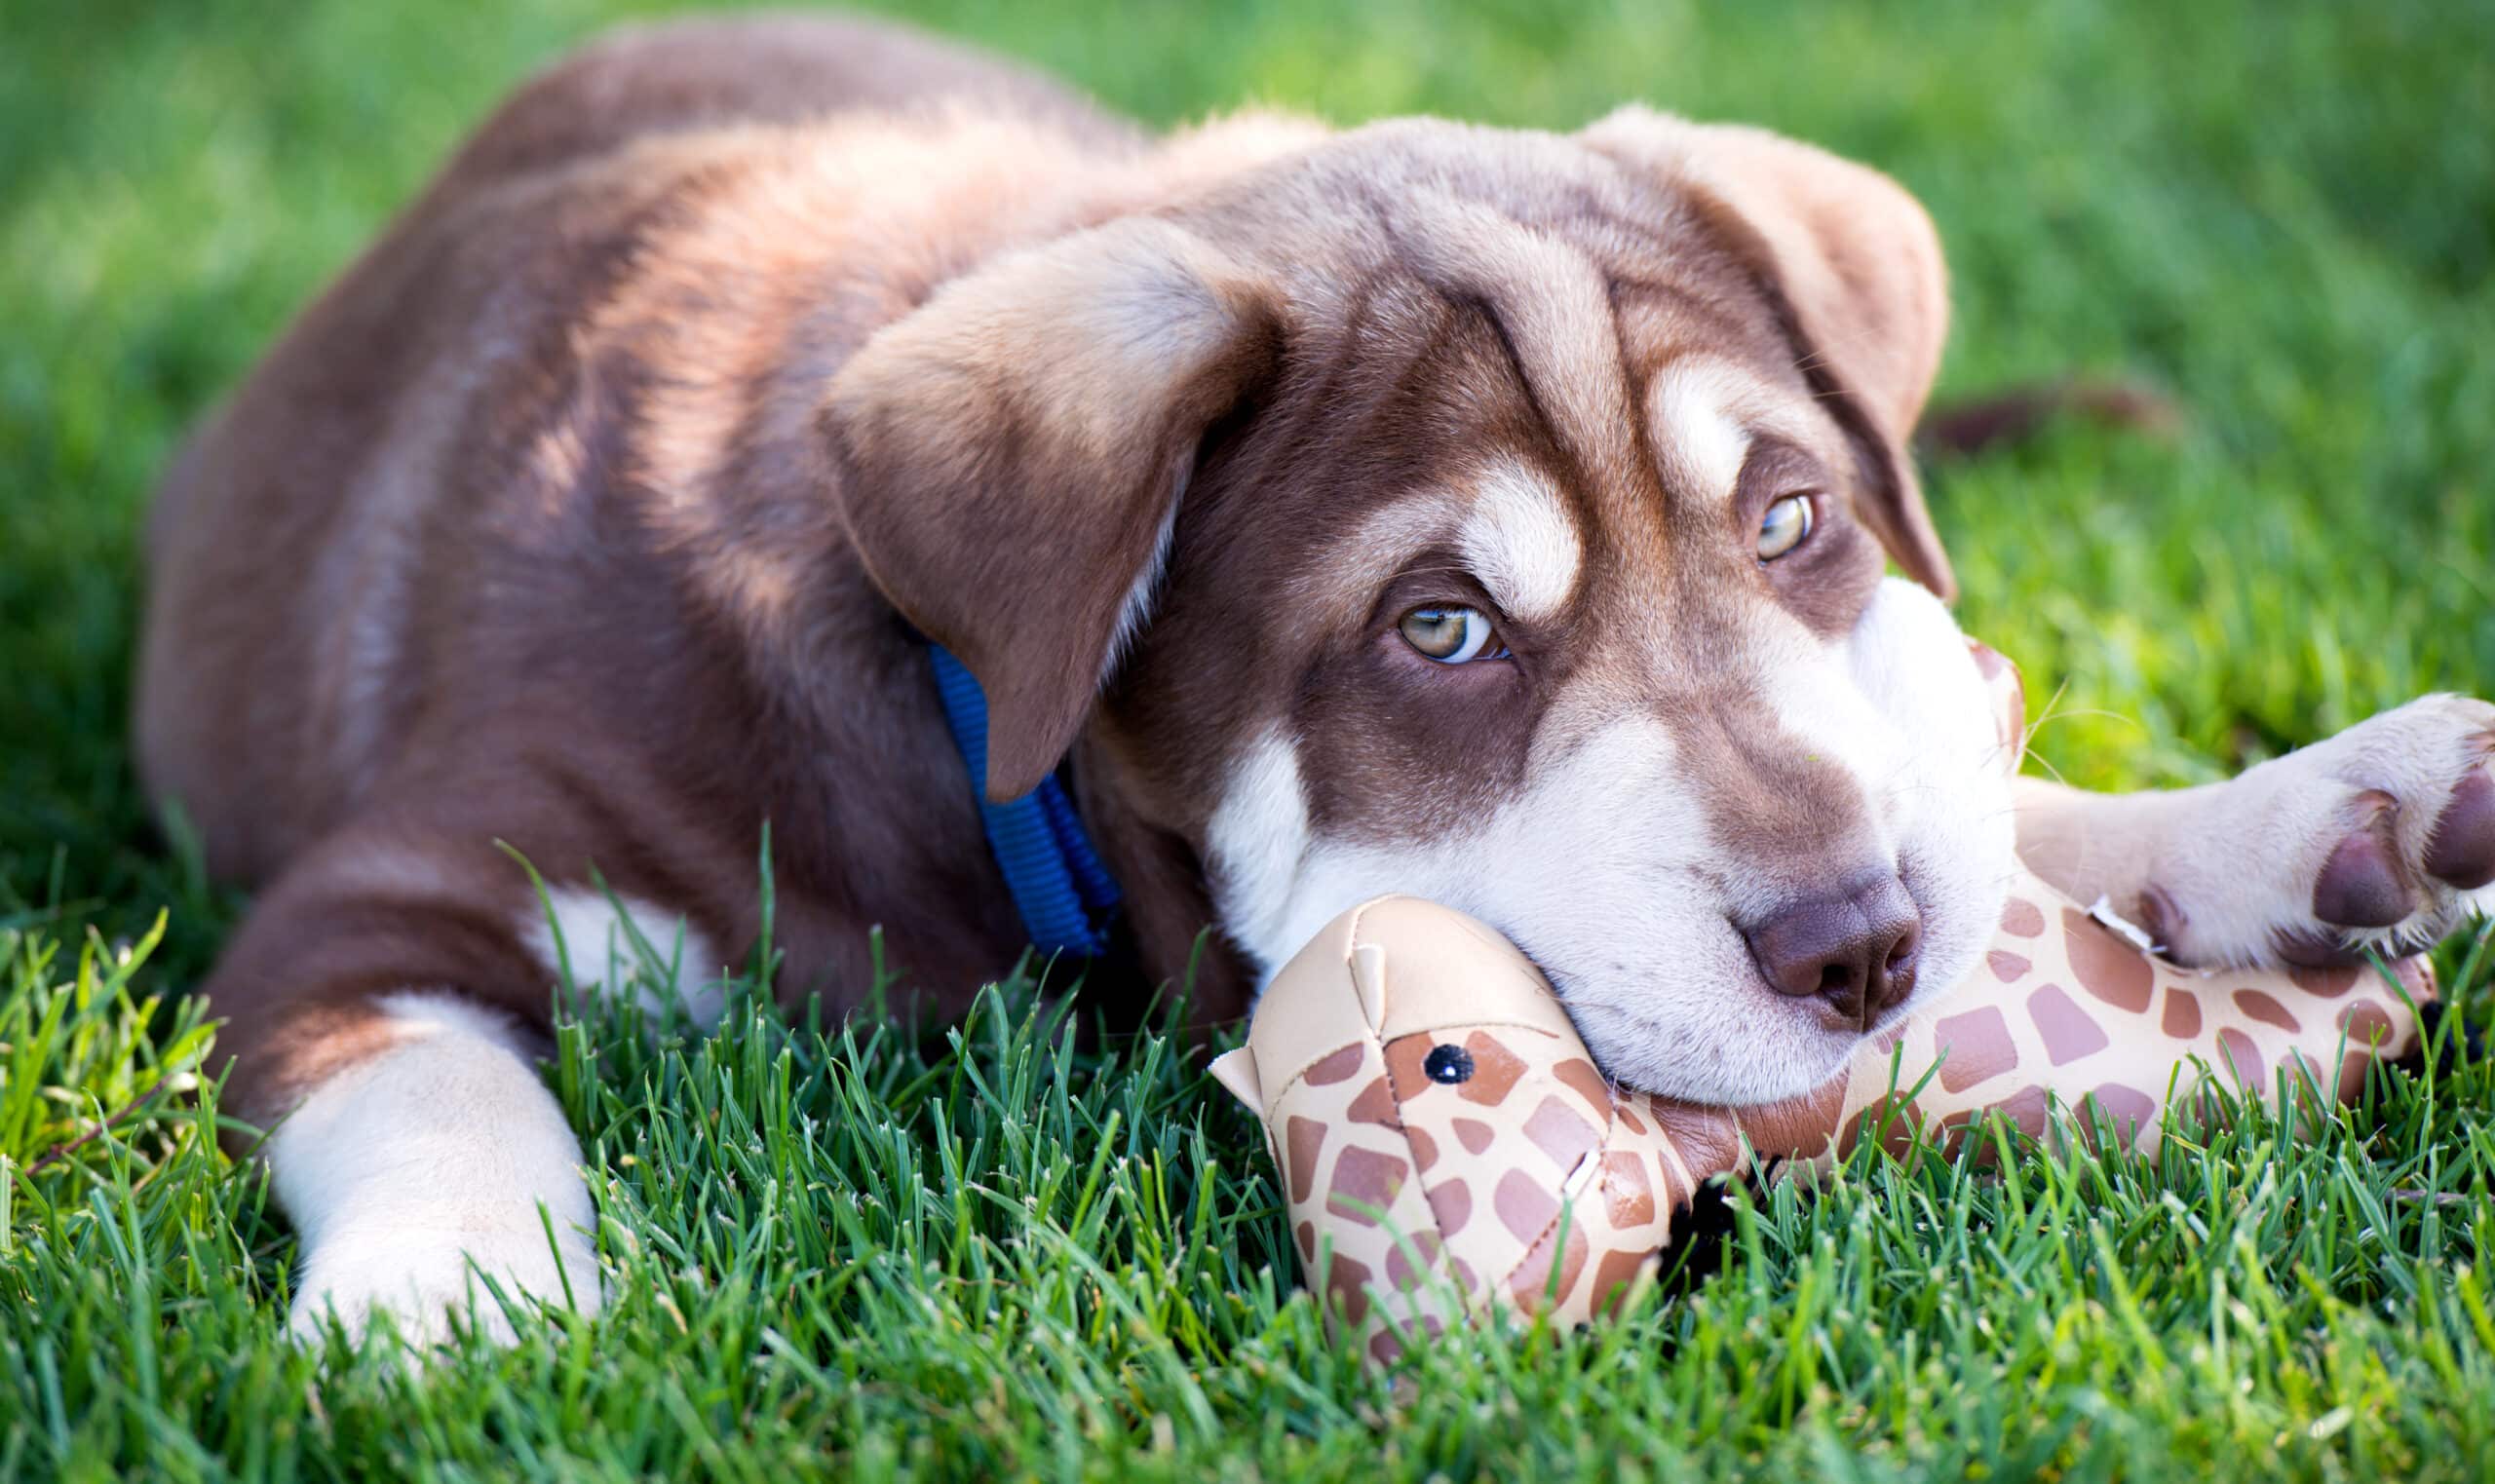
[(1446, 1144)]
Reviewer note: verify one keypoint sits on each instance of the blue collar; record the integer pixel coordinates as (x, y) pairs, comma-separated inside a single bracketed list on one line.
[(1063, 892)]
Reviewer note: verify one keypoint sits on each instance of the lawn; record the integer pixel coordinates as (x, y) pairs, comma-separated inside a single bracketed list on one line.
[(866, 1250)]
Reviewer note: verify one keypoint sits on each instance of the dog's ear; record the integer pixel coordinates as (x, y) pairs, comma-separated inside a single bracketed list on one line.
[(1851, 261), (1009, 456)]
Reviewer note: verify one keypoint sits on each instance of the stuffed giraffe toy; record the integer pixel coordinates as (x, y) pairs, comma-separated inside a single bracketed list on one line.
[(1447, 1143)]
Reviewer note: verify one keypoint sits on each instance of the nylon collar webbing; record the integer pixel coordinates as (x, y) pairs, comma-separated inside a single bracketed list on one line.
[(1060, 885)]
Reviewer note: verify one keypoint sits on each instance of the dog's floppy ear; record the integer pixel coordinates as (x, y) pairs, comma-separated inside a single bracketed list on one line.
[(1009, 458), (1854, 262)]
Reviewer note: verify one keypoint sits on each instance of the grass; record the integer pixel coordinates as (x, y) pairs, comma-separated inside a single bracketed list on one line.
[(981, 1251)]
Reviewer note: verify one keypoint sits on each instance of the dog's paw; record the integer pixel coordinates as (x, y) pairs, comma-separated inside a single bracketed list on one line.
[(2380, 839), (422, 1277)]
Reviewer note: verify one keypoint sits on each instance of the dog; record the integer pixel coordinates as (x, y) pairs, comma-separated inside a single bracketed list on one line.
[(1494, 515)]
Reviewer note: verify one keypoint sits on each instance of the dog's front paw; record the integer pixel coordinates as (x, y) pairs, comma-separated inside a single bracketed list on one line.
[(2380, 838), (422, 1277)]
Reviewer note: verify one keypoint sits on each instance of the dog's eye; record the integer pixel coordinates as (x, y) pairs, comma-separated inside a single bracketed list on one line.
[(1788, 521), (1452, 635), (1448, 1064)]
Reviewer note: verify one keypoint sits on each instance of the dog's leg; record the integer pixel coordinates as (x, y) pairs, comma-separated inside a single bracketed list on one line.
[(386, 1000), (2382, 837), (429, 1161)]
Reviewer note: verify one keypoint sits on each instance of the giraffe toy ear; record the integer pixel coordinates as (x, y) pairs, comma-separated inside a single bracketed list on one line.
[(1368, 981), (1237, 1070)]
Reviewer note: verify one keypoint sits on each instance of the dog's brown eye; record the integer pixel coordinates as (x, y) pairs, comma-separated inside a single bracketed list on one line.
[(1788, 521), (1452, 635)]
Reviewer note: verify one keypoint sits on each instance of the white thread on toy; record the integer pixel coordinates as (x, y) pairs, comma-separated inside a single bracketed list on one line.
[(2123, 926)]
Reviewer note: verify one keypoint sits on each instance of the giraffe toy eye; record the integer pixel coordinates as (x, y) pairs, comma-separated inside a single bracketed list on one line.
[(1448, 1064)]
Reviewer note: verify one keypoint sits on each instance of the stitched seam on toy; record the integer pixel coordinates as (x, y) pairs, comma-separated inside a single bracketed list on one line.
[(1560, 1215), (1352, 940), (1301, 1076), (1556, 1256)]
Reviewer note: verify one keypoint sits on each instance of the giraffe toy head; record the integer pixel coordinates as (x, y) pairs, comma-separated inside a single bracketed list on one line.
[(1447, 1143), (1444, 1136)]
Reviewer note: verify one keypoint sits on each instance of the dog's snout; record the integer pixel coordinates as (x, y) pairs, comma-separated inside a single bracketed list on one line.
[(1855, 949)]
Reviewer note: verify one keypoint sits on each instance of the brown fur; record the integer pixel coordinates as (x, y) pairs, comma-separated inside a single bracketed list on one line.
[(604, 507)]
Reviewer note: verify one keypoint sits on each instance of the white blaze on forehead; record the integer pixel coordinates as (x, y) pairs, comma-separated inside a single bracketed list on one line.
[(1520, 542), (1695, 411)]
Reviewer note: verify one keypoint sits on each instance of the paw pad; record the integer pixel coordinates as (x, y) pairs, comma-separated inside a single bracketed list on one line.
[(2361, 885), (2462, 849)]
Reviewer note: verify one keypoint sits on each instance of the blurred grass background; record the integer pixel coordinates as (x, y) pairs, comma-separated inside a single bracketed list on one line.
[(2281, 214)]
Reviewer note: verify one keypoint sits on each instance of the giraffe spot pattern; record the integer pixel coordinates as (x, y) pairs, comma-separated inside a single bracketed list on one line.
[(2367, 1023), (1404, 1056), (1376, 1105), (1495, 1070), (2069, 1034), (1347, 1280), (1623, 1112), (2351, 1075), (1535, 1280), (1616, 1278), (1306, 1231), (1978, 1048), (1306, 1140), (2182, 1019), (2130, 1110), (1384, 1347), (1474, 1134), (1425, 1150), (1893, 1119), (1627, 1195), (1562, 1132), (2007, 967), (2259, 1006), (1366, 1184), (1335, 1067), (2020, 918), (2106, 966), (1450, 1206), (1401, 1274), (2329, 983), (2027, 1108), (1580, 1074), (1525, 1206), (2244, 1057)]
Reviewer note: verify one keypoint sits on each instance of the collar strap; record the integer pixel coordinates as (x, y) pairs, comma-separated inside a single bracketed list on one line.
[(1060, 885)]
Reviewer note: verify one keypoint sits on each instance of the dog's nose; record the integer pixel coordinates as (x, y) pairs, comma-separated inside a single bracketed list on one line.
[(1855, 950)]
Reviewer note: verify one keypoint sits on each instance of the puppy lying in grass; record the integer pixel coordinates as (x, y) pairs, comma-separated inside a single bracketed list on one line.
[(1490, 515)]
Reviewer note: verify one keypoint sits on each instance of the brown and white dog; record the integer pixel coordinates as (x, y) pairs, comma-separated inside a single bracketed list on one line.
[(1493, 516)]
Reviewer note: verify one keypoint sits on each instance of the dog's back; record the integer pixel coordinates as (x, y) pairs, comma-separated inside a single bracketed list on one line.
[(632, 84), (285, 534)]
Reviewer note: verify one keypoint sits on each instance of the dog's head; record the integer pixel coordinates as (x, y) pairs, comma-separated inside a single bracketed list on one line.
[(1496, 518)]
